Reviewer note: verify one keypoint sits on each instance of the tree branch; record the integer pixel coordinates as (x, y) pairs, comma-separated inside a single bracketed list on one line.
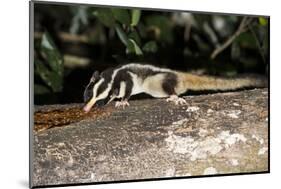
[(242, 28), (228, 133)]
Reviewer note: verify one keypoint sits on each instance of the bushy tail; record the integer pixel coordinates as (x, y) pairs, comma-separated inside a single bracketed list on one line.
[(196, 82)]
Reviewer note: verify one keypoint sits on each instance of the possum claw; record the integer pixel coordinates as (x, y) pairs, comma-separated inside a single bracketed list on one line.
[(177, 100), (122, 103)]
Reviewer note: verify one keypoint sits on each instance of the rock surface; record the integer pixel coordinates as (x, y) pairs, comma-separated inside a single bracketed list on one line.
[(213, 134)]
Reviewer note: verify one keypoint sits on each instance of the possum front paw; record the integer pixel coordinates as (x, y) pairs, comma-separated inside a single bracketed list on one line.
[(177, 100), (122, 103)]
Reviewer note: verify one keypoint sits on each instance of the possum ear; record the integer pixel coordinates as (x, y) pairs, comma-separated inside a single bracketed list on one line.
[(95, 76)]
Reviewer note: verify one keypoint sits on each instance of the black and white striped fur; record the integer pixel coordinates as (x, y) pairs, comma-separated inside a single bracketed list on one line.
[(124, 81)]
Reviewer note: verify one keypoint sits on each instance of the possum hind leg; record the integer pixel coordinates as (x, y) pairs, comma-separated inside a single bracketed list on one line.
[(177, 100), (169, 84)]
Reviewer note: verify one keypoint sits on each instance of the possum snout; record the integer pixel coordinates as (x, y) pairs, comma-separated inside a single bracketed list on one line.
[(87, 108), (90, 105)]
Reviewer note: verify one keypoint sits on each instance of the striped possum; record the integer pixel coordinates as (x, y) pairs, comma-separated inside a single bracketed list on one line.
[(124, 81)]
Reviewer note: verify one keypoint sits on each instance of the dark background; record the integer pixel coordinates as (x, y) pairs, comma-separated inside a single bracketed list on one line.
[(72, 41)]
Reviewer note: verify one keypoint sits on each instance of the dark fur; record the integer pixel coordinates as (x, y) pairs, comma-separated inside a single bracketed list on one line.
[(144, 72), (123, 75), (170, 83), (88, 93)]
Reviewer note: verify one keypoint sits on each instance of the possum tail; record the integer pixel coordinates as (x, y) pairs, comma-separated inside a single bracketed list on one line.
[(199, 83)]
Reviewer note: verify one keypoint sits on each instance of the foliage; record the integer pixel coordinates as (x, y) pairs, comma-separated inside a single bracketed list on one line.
[(48, 66), (147, 32), (124, 22), (136, 14), (143, 33)]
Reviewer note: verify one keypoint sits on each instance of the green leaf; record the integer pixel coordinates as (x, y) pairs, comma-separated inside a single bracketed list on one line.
[(135, 36), (121, 34), (150, 47), (136, 14), (52, 79), (47, 42), (105, 16), (133, 47), (263, 21), (51, 54), (130, 48), (122, 15)]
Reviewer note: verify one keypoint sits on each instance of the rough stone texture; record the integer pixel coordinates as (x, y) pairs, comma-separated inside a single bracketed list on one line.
[(213, 134)]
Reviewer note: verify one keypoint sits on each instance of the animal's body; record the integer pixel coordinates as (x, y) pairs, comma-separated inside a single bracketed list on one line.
[(124, 81)]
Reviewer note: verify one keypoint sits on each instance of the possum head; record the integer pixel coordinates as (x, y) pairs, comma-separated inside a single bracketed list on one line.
[(97, 91)]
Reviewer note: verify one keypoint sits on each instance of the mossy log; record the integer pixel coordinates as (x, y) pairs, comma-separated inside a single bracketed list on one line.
[(213, 134)]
